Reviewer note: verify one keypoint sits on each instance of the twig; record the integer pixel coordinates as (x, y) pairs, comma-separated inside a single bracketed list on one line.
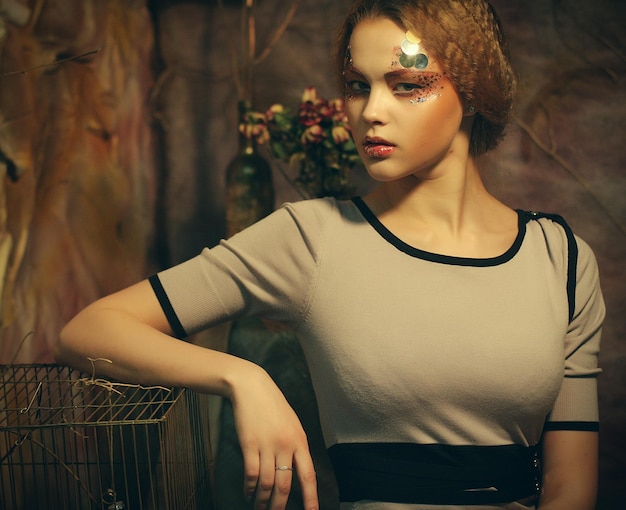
[(569, 168), (19, 347), (30, 404), (109, 385), (249, 45), (54, 63), (242, 67), (583, 27), (278, 33)]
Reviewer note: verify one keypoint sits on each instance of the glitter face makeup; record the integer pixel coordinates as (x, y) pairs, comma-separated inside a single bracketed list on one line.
[(410, 84), (427, 87), (347, 64)]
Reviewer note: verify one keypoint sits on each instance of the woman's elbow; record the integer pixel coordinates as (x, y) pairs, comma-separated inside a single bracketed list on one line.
[(77, 338), (63, 351)]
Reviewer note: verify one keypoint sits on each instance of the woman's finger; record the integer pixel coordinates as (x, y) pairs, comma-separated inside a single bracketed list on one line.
[(305, 471), (265, 486), (283, 477), (251, 466)]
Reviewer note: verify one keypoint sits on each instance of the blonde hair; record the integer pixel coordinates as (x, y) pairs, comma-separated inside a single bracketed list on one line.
[(466, 37)]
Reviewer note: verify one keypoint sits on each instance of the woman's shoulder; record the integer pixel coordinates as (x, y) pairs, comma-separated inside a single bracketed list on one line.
[(556, 229), (300, 222), (559, 237), (310, 206), (318, 206), (320, 211)]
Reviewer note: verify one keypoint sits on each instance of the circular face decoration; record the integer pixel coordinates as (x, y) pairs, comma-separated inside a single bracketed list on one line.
[(411, 37), (407, 61), (412, 56), (421, 61), (409, 48)]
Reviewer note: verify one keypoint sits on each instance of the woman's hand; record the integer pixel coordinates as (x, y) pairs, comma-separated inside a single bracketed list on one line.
[(271, 436)]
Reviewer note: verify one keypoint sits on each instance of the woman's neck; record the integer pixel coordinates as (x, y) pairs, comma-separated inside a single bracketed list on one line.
[(448, 211)]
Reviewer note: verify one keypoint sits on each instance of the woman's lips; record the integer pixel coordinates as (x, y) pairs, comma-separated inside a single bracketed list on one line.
[(378, 147)]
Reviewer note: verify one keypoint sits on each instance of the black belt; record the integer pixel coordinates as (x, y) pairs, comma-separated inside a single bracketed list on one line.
[(434, 473)]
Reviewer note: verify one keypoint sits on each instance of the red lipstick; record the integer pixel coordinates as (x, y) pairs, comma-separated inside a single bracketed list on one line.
[(376, 147)]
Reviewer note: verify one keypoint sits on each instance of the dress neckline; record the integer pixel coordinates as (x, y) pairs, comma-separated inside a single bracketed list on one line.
[(404, 247)]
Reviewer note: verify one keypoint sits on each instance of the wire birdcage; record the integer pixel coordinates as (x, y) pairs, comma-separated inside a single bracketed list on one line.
[(70, 441)]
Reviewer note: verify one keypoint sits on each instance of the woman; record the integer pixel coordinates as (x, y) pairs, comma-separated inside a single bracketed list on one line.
[(452, 341)]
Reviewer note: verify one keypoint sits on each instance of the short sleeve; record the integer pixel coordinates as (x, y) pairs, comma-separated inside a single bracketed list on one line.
[(576, 407), (269, 269)]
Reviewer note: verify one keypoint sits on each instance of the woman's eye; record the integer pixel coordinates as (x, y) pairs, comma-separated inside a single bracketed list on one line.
[(407, 88), (357, 87)]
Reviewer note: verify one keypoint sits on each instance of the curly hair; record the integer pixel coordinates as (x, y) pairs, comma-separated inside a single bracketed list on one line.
[(466, 36)]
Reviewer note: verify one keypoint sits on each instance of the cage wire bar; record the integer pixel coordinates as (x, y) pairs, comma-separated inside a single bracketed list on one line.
[(71, 441)]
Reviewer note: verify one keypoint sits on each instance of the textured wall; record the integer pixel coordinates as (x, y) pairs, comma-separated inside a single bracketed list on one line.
[(78, 184)]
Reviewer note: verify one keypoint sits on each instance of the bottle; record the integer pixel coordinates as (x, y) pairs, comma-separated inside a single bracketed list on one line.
[(249, 186)]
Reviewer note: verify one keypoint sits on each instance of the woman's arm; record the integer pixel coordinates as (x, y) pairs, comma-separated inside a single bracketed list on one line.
[(129, 330), (570, 470)]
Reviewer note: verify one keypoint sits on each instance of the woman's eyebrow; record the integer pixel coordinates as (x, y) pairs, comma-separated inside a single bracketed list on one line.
[(394, 74), (352, 70), (406, 73)]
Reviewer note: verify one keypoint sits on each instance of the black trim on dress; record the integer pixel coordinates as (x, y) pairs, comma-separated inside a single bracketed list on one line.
[(166, 305), (436, 474), (582, 426), (391, 238), (572, 256)]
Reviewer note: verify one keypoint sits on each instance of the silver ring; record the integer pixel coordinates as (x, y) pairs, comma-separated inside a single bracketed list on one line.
[(284, 468)]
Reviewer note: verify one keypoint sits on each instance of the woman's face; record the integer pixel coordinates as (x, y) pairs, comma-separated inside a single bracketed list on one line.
[(405, 116)]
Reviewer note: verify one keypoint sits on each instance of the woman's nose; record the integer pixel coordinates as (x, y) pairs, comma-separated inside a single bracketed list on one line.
[(375, 111)]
